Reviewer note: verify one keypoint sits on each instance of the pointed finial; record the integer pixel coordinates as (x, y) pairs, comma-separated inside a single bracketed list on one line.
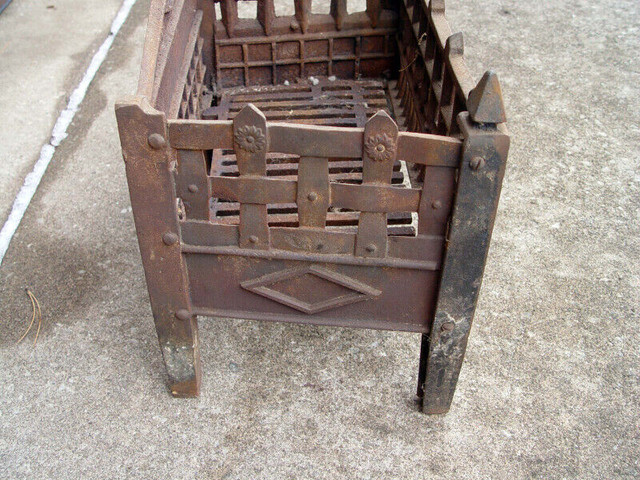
[(382, 118), (249, 114), (455, 45), (485, 101), (436, 6), (250, 133)]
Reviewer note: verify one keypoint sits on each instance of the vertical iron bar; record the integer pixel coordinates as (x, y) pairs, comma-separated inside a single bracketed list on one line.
[(303, 13), (339, 12), (229, 12), (146, 154), (479, 182), (378, 155), (251, 146), (266, 15)]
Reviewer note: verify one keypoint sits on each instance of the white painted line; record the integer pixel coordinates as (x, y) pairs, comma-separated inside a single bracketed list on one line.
[(59, 133)]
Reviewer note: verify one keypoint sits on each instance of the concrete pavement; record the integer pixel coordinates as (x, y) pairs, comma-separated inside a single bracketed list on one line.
[(549, 388), (44, 48)]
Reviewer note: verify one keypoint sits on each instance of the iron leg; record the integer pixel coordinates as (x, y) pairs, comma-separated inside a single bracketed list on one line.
[(422, 369), (181, 353)]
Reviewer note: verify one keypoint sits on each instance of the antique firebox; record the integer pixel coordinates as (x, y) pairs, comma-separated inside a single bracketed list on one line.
[(336, 169)]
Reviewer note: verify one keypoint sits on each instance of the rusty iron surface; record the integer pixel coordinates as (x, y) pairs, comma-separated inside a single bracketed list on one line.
[(246, 246), (481, 172), (320, 101), (146, 156), (338, 169), (345, 103)]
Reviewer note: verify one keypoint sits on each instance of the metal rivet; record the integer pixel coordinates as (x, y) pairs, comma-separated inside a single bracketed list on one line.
[(476, 163), (169, 238), (436, 204), (312, 197), (253, 239), (183, 314), (371, 248), (294, 25), (157, 141), (174, 392), (447, 326), (193, 188)]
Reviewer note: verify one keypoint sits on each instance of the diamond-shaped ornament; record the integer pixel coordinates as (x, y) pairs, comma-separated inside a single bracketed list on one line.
[(310, 289)]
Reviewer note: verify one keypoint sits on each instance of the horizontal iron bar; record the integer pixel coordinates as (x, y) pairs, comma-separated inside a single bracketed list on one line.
[(311, 257), (428, 149), (305, 37), (375, 198), (317, 319), (315, 141), (260, 190), (295, 61), (326, 101), (314, 240), (265, 190), (246, 93)]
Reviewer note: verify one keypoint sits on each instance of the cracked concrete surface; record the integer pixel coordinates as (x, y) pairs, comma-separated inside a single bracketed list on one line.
[(549, 387)]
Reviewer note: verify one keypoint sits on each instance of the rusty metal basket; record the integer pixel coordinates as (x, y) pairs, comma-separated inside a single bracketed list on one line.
[(334, 169)]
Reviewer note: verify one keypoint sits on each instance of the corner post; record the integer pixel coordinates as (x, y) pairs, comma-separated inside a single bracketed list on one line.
[(146, 153), (207, 33), (479, 182)]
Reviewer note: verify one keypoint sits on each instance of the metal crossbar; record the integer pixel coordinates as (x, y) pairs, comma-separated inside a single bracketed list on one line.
[(251, 137)]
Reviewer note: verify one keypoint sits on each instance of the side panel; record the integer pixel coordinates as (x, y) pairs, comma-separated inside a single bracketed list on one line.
[(269, 50), (383, 297)]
